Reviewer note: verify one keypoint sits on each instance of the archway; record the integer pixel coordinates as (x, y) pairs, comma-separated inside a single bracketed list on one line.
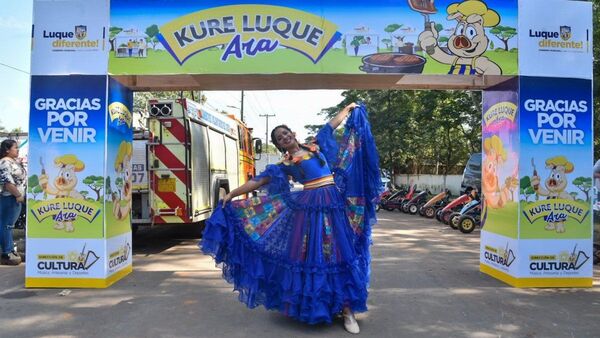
[(88, 57)]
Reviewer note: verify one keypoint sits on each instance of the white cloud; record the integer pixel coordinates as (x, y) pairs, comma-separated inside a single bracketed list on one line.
[(13, 24), (14, 112)]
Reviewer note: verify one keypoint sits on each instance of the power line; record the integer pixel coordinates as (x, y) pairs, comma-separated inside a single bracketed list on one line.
[(11, 67)]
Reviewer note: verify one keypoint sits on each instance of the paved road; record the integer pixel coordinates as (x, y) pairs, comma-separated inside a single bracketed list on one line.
[(425, 283)]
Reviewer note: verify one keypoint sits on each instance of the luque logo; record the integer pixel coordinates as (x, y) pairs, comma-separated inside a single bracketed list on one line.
[(70, 39), (565, 32), (248, 30), (556, 39)]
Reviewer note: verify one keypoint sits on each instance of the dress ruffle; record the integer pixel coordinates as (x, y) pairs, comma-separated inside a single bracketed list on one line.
[(311, 292)]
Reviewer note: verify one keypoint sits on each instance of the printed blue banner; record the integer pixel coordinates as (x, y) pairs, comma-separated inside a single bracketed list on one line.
[(556, 158), (66, 133)]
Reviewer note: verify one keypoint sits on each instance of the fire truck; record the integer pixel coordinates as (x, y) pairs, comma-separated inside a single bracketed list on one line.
[(189, 158)]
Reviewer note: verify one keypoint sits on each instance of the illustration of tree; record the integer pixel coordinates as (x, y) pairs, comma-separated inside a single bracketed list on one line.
[(526, 188), (356, 42), (96, 183), (152, 32), (574, 195), (119, 184), (392, 28), (439, 27), (492, 45), (108, 188), (33, 186), (84, 193), (443, 39), (113, 31), (504, 33), (387, 42), (584, 184)]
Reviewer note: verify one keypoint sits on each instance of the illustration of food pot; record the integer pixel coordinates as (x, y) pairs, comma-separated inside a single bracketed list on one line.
[(496, 196), (554, 187), (64, 186), (468, 42), (122, 199)]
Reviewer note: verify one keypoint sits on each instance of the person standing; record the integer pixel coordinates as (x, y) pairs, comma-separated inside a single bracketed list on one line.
[(141, 48), (304, 253), (12, 197), (130, 48)]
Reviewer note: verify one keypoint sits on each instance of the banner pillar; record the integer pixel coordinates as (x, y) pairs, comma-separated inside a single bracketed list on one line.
[(79, 159), (537, 154)]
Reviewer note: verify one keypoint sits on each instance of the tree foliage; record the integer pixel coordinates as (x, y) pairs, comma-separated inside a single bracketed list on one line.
[(504, 33), (420, 132), (96, 183)]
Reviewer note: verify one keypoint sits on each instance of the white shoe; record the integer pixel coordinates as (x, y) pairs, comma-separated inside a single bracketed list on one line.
[(350, 323)]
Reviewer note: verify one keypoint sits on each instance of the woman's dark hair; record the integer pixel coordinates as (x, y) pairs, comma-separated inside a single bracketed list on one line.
[(5, 147), (303, 146)]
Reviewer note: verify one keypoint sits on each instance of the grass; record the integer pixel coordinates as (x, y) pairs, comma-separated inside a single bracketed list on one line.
[(503, 221), (281, 61)]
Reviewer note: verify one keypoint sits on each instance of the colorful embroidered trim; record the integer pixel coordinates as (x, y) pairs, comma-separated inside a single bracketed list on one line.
[(319, 182)]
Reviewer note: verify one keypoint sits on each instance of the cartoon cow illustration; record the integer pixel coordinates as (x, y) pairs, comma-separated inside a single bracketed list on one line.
[(496, 196), (555, 187), (468, 42), (123, 168), (64, 186)]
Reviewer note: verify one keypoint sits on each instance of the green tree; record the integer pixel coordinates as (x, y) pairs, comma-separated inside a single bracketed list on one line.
[(108, 187), (119, 184), (387, 42), (84, 193), (152, 32), (574, 195), (526, 188), (585, 185), (95, 183), (113, 31), (33, 186), (504, 33)]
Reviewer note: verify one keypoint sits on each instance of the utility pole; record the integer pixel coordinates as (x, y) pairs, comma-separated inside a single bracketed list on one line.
[(267, 133), (242, 108)]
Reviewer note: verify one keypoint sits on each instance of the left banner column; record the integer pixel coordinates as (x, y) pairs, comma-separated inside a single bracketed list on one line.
[(67, 243)]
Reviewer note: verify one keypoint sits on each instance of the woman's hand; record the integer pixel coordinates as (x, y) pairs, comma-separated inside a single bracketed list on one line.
[(337, 119), (226, 199), (351, 106), (20, 199)]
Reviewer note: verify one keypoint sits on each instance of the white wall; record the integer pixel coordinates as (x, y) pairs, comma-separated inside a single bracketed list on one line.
[(435, 183)]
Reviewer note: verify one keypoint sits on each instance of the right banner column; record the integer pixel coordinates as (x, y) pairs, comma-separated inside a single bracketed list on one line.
[(548, 243)]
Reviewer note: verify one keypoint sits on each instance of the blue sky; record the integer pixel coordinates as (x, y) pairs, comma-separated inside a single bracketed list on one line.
[(15, 39)]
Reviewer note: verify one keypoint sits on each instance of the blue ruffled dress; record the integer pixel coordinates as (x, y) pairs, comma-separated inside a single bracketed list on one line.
[(305, 253)]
